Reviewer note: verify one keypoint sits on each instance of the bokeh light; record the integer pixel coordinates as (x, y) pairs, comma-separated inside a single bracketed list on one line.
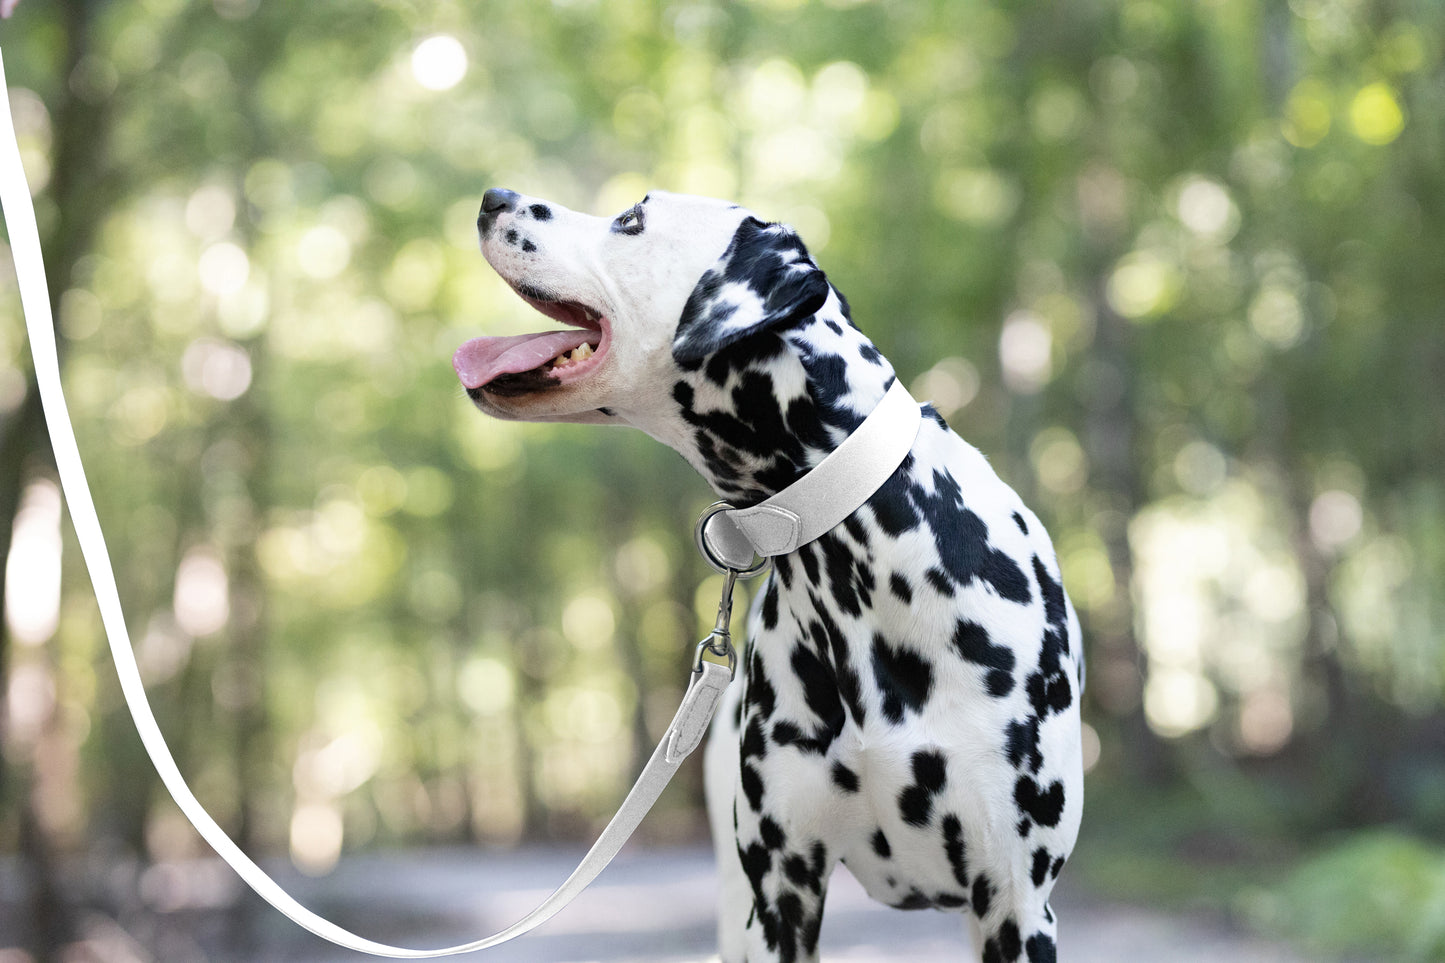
[(32, 570), (439, 62), (223, 268), (1025, 350)]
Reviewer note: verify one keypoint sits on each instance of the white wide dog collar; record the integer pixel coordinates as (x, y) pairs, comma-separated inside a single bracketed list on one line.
[(819, 501)]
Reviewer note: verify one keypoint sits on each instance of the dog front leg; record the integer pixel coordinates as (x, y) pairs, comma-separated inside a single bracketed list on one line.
[(789, 882)]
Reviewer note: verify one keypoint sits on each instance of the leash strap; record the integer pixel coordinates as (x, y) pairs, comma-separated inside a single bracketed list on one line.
[(704, 692), (820, 500)]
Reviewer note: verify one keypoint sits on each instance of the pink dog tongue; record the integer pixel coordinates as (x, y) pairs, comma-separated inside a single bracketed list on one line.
[(482, 359)]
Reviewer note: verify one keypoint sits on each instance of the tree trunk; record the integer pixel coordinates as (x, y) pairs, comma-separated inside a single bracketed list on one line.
[(78, 133), (1111, 431)]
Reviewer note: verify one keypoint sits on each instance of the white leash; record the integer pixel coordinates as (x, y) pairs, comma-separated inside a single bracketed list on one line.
[(800, 513)]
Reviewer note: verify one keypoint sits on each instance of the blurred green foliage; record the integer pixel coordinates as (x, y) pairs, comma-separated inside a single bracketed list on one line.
[(1172, 265), (1381, 892)]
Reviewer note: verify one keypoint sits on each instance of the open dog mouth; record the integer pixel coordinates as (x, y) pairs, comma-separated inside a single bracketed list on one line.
[(524, 363)]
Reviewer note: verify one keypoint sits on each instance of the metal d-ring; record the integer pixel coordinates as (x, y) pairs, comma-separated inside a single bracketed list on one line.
[(710, 555)]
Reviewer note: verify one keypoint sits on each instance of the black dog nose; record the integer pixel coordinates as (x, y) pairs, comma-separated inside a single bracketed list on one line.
[(495, 201)]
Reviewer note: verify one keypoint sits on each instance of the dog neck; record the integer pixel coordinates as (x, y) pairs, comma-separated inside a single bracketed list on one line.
[(762, 412)]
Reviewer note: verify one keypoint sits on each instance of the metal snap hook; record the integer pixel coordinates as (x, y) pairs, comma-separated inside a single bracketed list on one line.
[(722, 648)]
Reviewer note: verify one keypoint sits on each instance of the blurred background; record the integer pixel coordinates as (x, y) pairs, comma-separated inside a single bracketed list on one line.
[(1168, 263)]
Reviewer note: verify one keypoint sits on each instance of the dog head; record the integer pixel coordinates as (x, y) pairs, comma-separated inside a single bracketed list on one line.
[(667, 282), (678, 309)]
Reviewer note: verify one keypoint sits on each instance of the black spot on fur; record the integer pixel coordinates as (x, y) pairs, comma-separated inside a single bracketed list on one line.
[(718, 368), (832, 644), (1040, 872), (806, 423), (961, 538), (541, 212), (752, 784), (760, 692), (1048, 687), (1005, 945), (787, 733), (931, 413), (1019, 521), (1022, 744), (796, 869), (940, 581), (784, 569), (1043, 806), (954, 849), (811, 930), (972, 642), (820, 692), (904, 679), (529, 247), (900, 588), (915, 802), (810, 563), (829, 383), (756, 860), (982, 895), (1053, 594), (818, 864), (892, 508), (844, 778), (753, 744), (880, 845), (915, 900), (864, 583), (790, 734), (757, 863), (1041, 949), (838, 560), (770, 605), (511, 236)]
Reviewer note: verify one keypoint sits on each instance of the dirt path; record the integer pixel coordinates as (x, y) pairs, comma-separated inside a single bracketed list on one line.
[(656, 907)]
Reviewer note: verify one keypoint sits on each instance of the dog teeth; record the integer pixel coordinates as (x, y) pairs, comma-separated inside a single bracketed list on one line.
[(580, 353), (589, 314)]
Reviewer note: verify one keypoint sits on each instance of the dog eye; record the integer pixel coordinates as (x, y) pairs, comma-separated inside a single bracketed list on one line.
[(629, 221)]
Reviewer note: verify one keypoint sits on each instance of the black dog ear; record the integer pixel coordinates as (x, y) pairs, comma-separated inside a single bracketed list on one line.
[(765, 279)]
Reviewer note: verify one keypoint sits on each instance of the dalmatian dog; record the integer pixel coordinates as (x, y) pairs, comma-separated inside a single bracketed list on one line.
[(912, 678)]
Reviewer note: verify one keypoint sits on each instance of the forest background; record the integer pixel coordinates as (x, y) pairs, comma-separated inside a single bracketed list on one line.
[(1169, 264)]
